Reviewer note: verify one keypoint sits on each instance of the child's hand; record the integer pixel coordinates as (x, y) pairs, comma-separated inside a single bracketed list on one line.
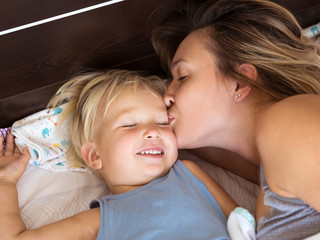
[(12, 162)]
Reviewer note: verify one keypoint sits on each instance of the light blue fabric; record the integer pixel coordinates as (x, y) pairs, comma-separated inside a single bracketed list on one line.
[(289, 218), (176, 206)]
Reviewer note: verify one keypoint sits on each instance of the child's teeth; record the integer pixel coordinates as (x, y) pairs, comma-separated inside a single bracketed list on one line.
[(151, 152)]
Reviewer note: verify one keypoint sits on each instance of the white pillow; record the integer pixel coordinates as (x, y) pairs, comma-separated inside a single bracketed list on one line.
[(45, 197)]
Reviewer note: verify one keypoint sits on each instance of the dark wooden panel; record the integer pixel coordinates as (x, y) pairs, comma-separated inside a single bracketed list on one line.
[(35, 62), (101, 38), (297, 5), (19, 106), (308, 17), (307, 12), (14, 13)]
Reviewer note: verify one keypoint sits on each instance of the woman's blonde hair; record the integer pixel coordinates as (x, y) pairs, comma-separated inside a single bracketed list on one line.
[(258, 32), (85, 94)]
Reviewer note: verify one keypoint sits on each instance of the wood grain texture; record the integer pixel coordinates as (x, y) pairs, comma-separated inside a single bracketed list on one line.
[(36, 61), (307, 12), (15, 13)]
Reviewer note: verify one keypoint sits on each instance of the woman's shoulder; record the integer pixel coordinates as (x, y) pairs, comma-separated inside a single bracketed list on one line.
[(286, 114), (297, 102), (287, 138)]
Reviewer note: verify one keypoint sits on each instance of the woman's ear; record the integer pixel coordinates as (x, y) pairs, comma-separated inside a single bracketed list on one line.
[(242, 90), (91, 156)]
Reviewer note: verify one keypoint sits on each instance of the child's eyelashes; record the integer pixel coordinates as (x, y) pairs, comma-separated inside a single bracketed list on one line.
[(163, 123), (129, 125), (135, 124)]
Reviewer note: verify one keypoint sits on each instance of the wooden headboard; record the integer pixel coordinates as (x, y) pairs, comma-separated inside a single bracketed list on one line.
[(69, 36), (36, 61)]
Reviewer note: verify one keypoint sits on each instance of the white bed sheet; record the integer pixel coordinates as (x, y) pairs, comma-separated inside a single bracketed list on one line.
[(46, 197)]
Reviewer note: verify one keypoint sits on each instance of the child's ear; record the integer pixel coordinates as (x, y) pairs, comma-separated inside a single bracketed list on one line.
[(91, 156), (243, 90)]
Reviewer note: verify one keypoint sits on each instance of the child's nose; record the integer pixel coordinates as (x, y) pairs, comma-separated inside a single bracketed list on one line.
[(152, 132)]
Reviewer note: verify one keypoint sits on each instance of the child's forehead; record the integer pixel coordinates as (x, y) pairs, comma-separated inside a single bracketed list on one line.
[(129, 98), (139, 92)]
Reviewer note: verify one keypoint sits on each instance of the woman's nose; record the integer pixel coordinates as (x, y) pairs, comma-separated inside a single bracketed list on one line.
[(169, 96)]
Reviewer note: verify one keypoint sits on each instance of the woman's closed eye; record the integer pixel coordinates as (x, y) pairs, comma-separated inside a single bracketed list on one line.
[(181, 78)]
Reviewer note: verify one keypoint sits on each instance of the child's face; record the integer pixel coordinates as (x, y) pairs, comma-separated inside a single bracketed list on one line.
[(136, 143)]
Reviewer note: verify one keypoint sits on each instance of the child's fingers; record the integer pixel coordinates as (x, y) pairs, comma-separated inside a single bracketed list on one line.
[(16, 150), (25, 157), (9, 145)]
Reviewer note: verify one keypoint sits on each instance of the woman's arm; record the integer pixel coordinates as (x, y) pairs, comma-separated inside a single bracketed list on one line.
[(226, 203), (288, 140), (12, 165)]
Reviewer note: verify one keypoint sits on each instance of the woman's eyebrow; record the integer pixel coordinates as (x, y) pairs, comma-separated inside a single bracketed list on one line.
[(176, 63)]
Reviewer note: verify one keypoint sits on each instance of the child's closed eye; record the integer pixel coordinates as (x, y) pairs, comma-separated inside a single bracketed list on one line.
[(163, 123), (129, 125)]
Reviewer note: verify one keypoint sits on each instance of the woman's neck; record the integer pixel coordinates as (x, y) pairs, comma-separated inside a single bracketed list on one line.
[(242, 138)]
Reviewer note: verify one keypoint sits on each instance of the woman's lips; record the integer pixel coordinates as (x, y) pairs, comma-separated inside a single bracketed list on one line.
[(171, 118)]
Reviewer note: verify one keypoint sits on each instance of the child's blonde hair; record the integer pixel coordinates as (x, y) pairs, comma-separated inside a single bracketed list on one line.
[(83, 95)]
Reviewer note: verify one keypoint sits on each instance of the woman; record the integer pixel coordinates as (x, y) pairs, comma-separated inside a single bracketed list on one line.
[(246, 80)]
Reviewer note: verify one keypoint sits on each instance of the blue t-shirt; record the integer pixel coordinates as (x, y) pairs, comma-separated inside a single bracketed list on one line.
[(176, 206)]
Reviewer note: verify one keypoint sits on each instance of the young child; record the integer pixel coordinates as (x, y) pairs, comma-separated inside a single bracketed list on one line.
[(119, 127)]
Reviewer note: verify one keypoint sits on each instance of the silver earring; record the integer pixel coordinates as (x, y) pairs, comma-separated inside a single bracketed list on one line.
[(238, 95)]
